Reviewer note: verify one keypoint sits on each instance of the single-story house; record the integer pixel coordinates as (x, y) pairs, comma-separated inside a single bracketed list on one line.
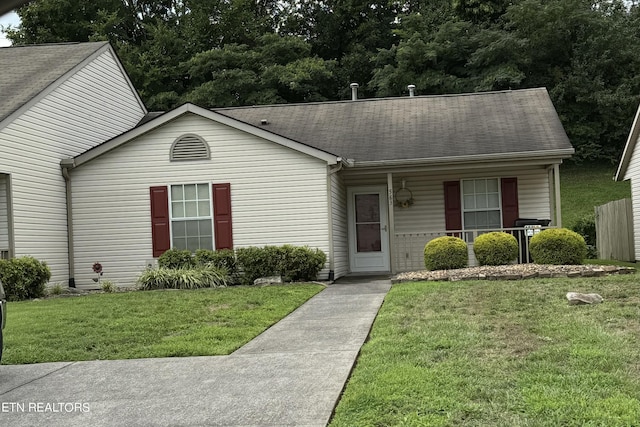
[(368, 181)]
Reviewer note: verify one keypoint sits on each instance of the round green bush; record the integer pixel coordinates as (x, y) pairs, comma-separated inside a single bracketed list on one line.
[(558, 246), (24, 277), (495, 248), (445, 253)]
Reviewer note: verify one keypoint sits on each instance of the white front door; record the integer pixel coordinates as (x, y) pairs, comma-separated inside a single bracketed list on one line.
[(368, 229)]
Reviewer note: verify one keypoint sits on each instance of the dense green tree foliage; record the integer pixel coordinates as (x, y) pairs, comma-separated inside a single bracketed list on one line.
[(243, 52)]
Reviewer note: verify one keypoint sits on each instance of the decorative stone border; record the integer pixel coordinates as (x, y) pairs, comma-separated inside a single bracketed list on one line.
[(512, 272)]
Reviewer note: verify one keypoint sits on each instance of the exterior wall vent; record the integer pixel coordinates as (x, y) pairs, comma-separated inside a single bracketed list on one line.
[(189, 147)]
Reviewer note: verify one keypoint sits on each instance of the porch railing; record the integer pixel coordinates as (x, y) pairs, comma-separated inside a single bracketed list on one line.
[(409, 247)]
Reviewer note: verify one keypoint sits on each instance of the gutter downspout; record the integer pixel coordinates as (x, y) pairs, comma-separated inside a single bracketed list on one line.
[(331, 171), (71, 255)]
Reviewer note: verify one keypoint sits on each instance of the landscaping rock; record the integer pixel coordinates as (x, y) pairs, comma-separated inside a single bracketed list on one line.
[(271, 280), (576, 298)]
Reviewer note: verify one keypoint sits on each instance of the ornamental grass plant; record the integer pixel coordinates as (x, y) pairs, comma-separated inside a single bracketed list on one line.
[(183, 278)]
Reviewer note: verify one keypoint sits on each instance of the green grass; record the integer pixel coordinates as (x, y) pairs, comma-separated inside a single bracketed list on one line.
[(503, 353), (582, 187), (610, 262), (145, 324)]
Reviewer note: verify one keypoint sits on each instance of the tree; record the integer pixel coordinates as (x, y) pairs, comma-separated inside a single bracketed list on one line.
[(278, 69), (588, 55)]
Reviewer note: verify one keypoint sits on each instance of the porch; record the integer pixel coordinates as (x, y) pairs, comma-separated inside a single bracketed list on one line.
[(408, 248), (393, 215)]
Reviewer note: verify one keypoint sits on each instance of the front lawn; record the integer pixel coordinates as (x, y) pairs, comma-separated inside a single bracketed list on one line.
[(145, 324), (500, 353)]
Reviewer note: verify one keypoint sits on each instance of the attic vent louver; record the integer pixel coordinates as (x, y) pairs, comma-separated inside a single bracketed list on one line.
[(189, 147)]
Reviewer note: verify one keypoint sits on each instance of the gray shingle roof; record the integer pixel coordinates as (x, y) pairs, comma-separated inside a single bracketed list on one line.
[(421, 127), (25, 71)]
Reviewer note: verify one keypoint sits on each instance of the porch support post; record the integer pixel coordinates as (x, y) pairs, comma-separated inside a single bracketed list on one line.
[(556, 183), (392, 227)]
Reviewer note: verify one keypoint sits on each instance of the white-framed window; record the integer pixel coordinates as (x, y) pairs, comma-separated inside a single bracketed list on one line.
[(191, 217), (481, 206)]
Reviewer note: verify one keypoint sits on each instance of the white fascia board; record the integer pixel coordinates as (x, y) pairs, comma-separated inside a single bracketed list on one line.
[(628, 148), (478, 158), (46, 91), (194, 109)]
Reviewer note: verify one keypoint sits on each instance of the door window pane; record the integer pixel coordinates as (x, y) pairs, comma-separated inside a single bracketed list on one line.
[(367, 208), (368, 238)]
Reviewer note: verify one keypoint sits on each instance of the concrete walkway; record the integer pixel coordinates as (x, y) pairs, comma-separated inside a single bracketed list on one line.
[(290, 375)]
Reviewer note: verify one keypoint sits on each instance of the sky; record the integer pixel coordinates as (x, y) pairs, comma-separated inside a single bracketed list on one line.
[(12, 19)]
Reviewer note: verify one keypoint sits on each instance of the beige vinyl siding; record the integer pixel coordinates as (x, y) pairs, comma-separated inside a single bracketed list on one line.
[(340, 231), (427, 212), (4, 217), (91, 106), (633, 173), (278, 196)]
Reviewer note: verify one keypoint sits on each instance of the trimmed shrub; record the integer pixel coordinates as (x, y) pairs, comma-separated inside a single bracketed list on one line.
[(24, 277), (223, 258), (495, 248), (176, 258), (183, 278), (257, 262), (586, 227), (445, 253), (293, 263), (300, 263), (558, 246)]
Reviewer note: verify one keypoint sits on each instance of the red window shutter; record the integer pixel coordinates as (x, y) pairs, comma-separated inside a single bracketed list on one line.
[(452, 205), (222, 216), (160, 220), (509, 187)]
